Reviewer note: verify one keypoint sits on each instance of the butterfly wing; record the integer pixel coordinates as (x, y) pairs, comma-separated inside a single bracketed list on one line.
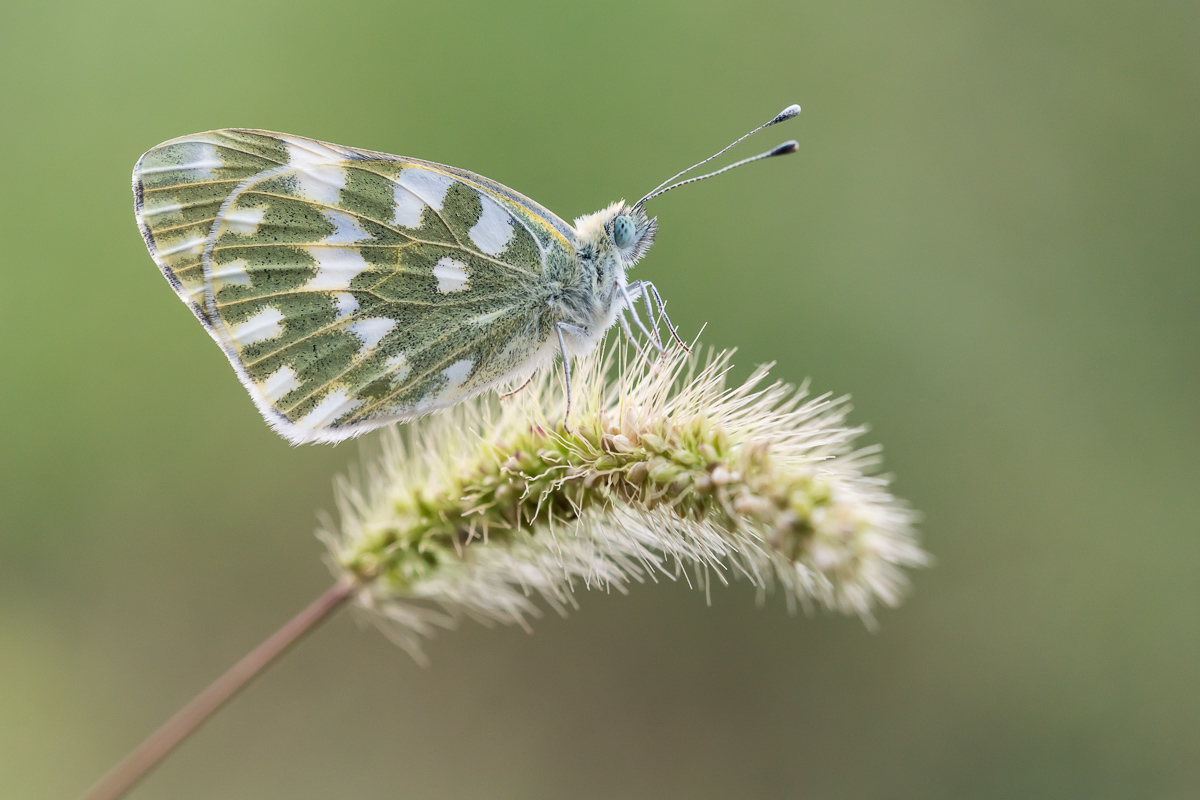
[(348, 288), (178, 189)]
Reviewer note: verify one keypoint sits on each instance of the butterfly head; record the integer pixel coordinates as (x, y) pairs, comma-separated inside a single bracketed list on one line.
[(631, 232), (621, 229)]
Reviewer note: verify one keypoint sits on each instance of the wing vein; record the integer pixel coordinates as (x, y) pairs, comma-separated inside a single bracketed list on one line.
[(188, 185)]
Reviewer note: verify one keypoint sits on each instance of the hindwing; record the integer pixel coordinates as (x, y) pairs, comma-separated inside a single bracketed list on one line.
[(348, 288)]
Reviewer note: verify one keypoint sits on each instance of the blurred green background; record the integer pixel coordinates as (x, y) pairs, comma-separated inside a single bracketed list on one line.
[(990, 237)]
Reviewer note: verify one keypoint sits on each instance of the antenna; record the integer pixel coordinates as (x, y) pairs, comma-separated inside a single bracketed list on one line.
[(783, 149)]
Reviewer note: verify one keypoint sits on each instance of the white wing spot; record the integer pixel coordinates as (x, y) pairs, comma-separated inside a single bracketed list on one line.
[(245, 221), (431, 187), (233, 273), (451, 275), (194, 246), (398, 366), (456, 373), (258, 328), (165, 210), (495, 227), (336, 267), (344, 304), (491, 316), (280, 383), (370, 331), (333, 405), (199, 158), (321, 185), (345, 228), (408, 207), (305, 153)]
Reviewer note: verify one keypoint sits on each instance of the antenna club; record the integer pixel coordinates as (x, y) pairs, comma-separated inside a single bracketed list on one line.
[(791, 111), (786, 147)]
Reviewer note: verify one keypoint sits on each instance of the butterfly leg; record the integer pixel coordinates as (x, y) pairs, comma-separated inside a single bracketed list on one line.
[(648, 289), (528, 381), (562, 346), (651, 334), (629, 335), (642, 289)]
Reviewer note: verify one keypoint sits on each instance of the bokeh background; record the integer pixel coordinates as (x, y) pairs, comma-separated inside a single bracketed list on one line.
[(990, 237)]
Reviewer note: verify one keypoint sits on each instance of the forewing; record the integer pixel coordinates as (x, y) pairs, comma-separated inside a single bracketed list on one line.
[(347, 288)]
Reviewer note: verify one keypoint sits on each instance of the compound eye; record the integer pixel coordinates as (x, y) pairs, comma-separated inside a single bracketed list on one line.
[(623, 231)]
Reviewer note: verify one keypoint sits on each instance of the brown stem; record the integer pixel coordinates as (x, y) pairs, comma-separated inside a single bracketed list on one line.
[(121, 778)]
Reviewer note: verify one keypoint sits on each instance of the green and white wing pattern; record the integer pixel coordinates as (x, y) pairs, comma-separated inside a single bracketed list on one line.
[(349, 288)]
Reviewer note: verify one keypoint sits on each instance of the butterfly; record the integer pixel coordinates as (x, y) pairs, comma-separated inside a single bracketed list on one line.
[(351, 289)]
